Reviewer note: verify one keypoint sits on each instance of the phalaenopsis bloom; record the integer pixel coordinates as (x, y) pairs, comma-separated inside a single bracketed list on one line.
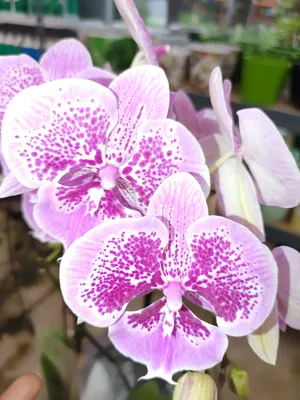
[(66, 59), (181, 251), (275, 176), (96, 153)]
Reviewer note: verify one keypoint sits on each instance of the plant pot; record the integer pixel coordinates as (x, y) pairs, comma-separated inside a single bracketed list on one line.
[(263, 77), (207, 56), (295, 84)]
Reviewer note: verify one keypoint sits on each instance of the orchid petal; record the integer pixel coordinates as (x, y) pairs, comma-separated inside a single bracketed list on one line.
[(186, 113), (171, 113), (68, 213), (12, 187), (199, 300), (178, 202), (217, 151), (164, 147), (288, 261), (110, 265), (17, 73), (27, 205), (192, 345), (237, 196), (65, 59), (233, 271), (208, 124), (275, 171), (143, 94), (60, 125), (219, 104), (98, 75), (137, 28), (265, 340)]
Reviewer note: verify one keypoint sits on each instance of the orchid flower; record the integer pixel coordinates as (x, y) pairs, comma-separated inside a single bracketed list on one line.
[(88, 148), (275, 177), (68, 58), (286, 311), (181, 251)]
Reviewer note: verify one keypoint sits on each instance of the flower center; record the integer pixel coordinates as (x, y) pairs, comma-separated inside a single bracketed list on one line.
[(109, 175), (173, 294)]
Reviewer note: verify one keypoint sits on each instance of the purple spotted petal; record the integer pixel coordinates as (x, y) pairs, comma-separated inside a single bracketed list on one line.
[(110, 265), (288, 261), (98, 75), (178, 202), (143, 94), (68, 213), (220, 106), (233, 271), (27, 205), (237, 197), (191, 345), (137, 28), (16, 74), (186, 113), (164, 148), (65, 59), (60, 125), (12, 187), (275, 171)]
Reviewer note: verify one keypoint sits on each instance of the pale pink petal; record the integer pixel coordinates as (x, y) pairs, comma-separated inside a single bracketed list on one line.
[(66, 58), (186, 113), (171, 113), (12, 187), (191, 345), (27, 205), (282, 325), (110, 265), (178, 202), (18, 73), (275, 171), (98, 75), (208, 124), (237, 198), (143, 94), (265, 340), (137, 28), (60, 125), (220, 106), (164, 147), (233, 271), (68, 213), (288, 261), (216, 150)]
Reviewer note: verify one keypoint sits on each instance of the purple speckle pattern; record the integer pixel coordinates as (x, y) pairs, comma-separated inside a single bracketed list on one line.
[(72, 134), (220, 273), (17, 73), (105, 206), (157, 156), (143, 95), (128, 266)]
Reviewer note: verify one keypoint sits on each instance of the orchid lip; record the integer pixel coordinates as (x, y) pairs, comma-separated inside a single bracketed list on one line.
[(109, 176)]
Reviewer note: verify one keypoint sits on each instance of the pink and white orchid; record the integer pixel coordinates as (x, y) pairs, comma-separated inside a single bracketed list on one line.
[(66, 59), (178, 249), (265, 340), (87, 147), (275, 177)]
